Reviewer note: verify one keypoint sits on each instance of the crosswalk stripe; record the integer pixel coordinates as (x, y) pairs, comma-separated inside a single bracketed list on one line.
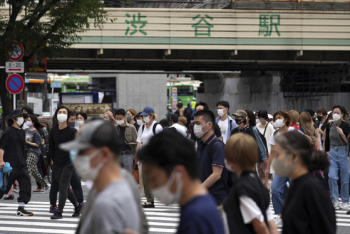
[(37, 213), (35, 230), (36, 218), (38, 224)]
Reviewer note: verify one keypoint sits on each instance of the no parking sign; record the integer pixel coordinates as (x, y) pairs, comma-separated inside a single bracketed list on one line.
[(14, 83)]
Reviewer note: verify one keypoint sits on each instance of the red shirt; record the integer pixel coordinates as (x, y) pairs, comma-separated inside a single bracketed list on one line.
[(296, 126)]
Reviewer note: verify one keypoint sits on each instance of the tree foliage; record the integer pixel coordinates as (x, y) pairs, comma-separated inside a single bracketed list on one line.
[(46, 28)]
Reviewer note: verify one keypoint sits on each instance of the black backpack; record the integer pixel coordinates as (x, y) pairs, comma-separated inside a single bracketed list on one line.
[(231, 175), (263, 139), (154, 128)]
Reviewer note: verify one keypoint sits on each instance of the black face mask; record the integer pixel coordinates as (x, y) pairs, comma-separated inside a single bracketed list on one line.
[(238, 121), (72, 124), (319, 118)]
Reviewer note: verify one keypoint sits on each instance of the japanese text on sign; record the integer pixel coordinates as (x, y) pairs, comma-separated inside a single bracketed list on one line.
[(267, 23)]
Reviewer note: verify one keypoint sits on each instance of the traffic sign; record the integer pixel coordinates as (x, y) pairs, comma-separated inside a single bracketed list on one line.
[(15, 50), (14, 83), (15, 67)]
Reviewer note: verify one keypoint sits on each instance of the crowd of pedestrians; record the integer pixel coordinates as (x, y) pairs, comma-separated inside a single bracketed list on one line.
[(218, 169)]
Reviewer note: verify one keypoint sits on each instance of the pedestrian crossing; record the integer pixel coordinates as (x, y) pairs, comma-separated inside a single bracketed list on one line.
[(161, 219)]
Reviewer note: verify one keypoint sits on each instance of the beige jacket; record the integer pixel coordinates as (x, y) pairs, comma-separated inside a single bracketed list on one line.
[(130, 136)]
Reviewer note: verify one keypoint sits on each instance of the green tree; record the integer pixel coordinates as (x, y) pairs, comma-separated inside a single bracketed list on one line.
[(46, 28)]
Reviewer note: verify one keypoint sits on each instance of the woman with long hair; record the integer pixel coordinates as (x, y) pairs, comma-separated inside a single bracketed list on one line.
[(108, 115), (307, 207), (307, 127), (33, 142), (336, 143)]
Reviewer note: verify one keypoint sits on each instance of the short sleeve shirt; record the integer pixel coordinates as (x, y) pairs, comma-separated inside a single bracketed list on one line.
[(205, 167), (272, 138), (200, 216), (180, 129), (147, 133), (223, 128)]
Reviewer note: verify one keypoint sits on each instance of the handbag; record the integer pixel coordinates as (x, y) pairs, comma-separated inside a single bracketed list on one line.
[(135, 173)]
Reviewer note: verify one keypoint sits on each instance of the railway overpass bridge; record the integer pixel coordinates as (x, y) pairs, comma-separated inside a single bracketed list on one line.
[(284, 50)]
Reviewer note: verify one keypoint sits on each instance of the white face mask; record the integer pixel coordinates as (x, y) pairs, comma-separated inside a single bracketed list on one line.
[(29, 123), (80, 122), (120, 122), (20, 121), (139, 122), (146, 119), (228, 167), (279, 123), (221, 112), (62, 118), (163, 192), (198, 132), (82, 164), (336, 117)]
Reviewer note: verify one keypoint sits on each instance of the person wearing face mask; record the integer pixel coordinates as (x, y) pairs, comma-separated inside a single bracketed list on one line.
[(128, 136), (139, 120), (12, 151), (307, 207), (131, 118), (204, 106), (71, 119), (266, 130), (241, 121), (225, 122), (248, 203), (213, 173), (170, 166), (321, 118), (33, 142), (147, 130), (27, 111), (62, 165), (81, 119), (111, 206), (336, 142), (279, 184)]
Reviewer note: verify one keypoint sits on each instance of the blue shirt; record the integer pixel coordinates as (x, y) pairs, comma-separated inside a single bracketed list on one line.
[(201, 216), (205, 167)]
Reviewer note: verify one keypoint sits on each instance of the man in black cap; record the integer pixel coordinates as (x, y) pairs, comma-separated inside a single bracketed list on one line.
[(12, 151)]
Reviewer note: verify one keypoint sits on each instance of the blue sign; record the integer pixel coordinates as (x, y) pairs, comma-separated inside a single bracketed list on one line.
[(14, 83), (56, 84)]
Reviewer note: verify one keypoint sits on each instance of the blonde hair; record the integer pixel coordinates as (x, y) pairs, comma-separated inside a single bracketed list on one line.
[(294, 116), (242, 149), (183, 120), (305, 121), (154, 116)]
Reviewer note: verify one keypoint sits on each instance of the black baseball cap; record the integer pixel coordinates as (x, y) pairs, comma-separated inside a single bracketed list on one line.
[(96, 133), (16, 113)]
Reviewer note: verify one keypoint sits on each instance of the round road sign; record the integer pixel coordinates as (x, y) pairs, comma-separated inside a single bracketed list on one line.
[(14, 83), (15, 50)]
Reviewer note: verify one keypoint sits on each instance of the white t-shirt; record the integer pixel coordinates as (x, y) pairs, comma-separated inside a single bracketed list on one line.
[(147, 133), (179, 128), (223, 128), (272, 138), (268, 133), (320, 137), (250, 210)]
